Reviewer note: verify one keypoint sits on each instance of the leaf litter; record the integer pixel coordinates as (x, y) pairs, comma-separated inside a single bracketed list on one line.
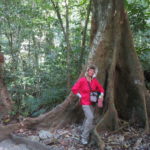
[(68, 138)]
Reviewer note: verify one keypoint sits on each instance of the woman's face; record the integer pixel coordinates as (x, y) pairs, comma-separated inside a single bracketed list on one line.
[(91, 72)]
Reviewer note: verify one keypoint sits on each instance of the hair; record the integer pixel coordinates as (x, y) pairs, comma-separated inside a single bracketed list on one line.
[(91, 67)]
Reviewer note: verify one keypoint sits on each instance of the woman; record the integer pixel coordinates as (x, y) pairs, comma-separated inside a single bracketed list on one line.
[(82, 89)]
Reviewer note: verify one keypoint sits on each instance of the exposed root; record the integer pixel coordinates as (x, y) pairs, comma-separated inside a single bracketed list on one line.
[(125, 124), (100, 142)]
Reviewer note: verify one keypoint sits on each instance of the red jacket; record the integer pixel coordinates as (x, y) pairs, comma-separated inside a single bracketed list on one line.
[(82, 87)]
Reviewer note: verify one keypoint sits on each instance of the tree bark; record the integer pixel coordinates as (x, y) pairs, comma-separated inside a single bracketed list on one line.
[(119, 72), (5, 99)]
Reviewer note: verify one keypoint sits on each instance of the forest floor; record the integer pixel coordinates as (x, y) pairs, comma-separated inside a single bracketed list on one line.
[(68, 138)]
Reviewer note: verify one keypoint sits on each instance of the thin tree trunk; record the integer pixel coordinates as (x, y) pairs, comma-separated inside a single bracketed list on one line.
[(9, 36), (83, 44), (5, 99), (66, 36), (36, 57), (68, 47)]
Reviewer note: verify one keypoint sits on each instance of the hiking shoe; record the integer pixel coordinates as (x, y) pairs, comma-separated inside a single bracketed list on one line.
[(84, 142)]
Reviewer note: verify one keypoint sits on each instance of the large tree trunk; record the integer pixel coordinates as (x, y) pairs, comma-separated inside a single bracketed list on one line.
[(119, 71)]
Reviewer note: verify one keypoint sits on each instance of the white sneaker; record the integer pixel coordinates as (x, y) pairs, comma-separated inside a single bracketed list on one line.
[(84, 142)]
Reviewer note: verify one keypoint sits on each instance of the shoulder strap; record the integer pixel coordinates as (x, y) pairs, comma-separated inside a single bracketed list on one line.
[(89, 85)]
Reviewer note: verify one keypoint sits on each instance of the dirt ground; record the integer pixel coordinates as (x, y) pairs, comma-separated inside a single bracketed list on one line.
[(129, 138)]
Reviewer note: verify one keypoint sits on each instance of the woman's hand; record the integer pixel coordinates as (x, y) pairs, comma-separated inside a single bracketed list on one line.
[(79, 95), (100, 102)]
